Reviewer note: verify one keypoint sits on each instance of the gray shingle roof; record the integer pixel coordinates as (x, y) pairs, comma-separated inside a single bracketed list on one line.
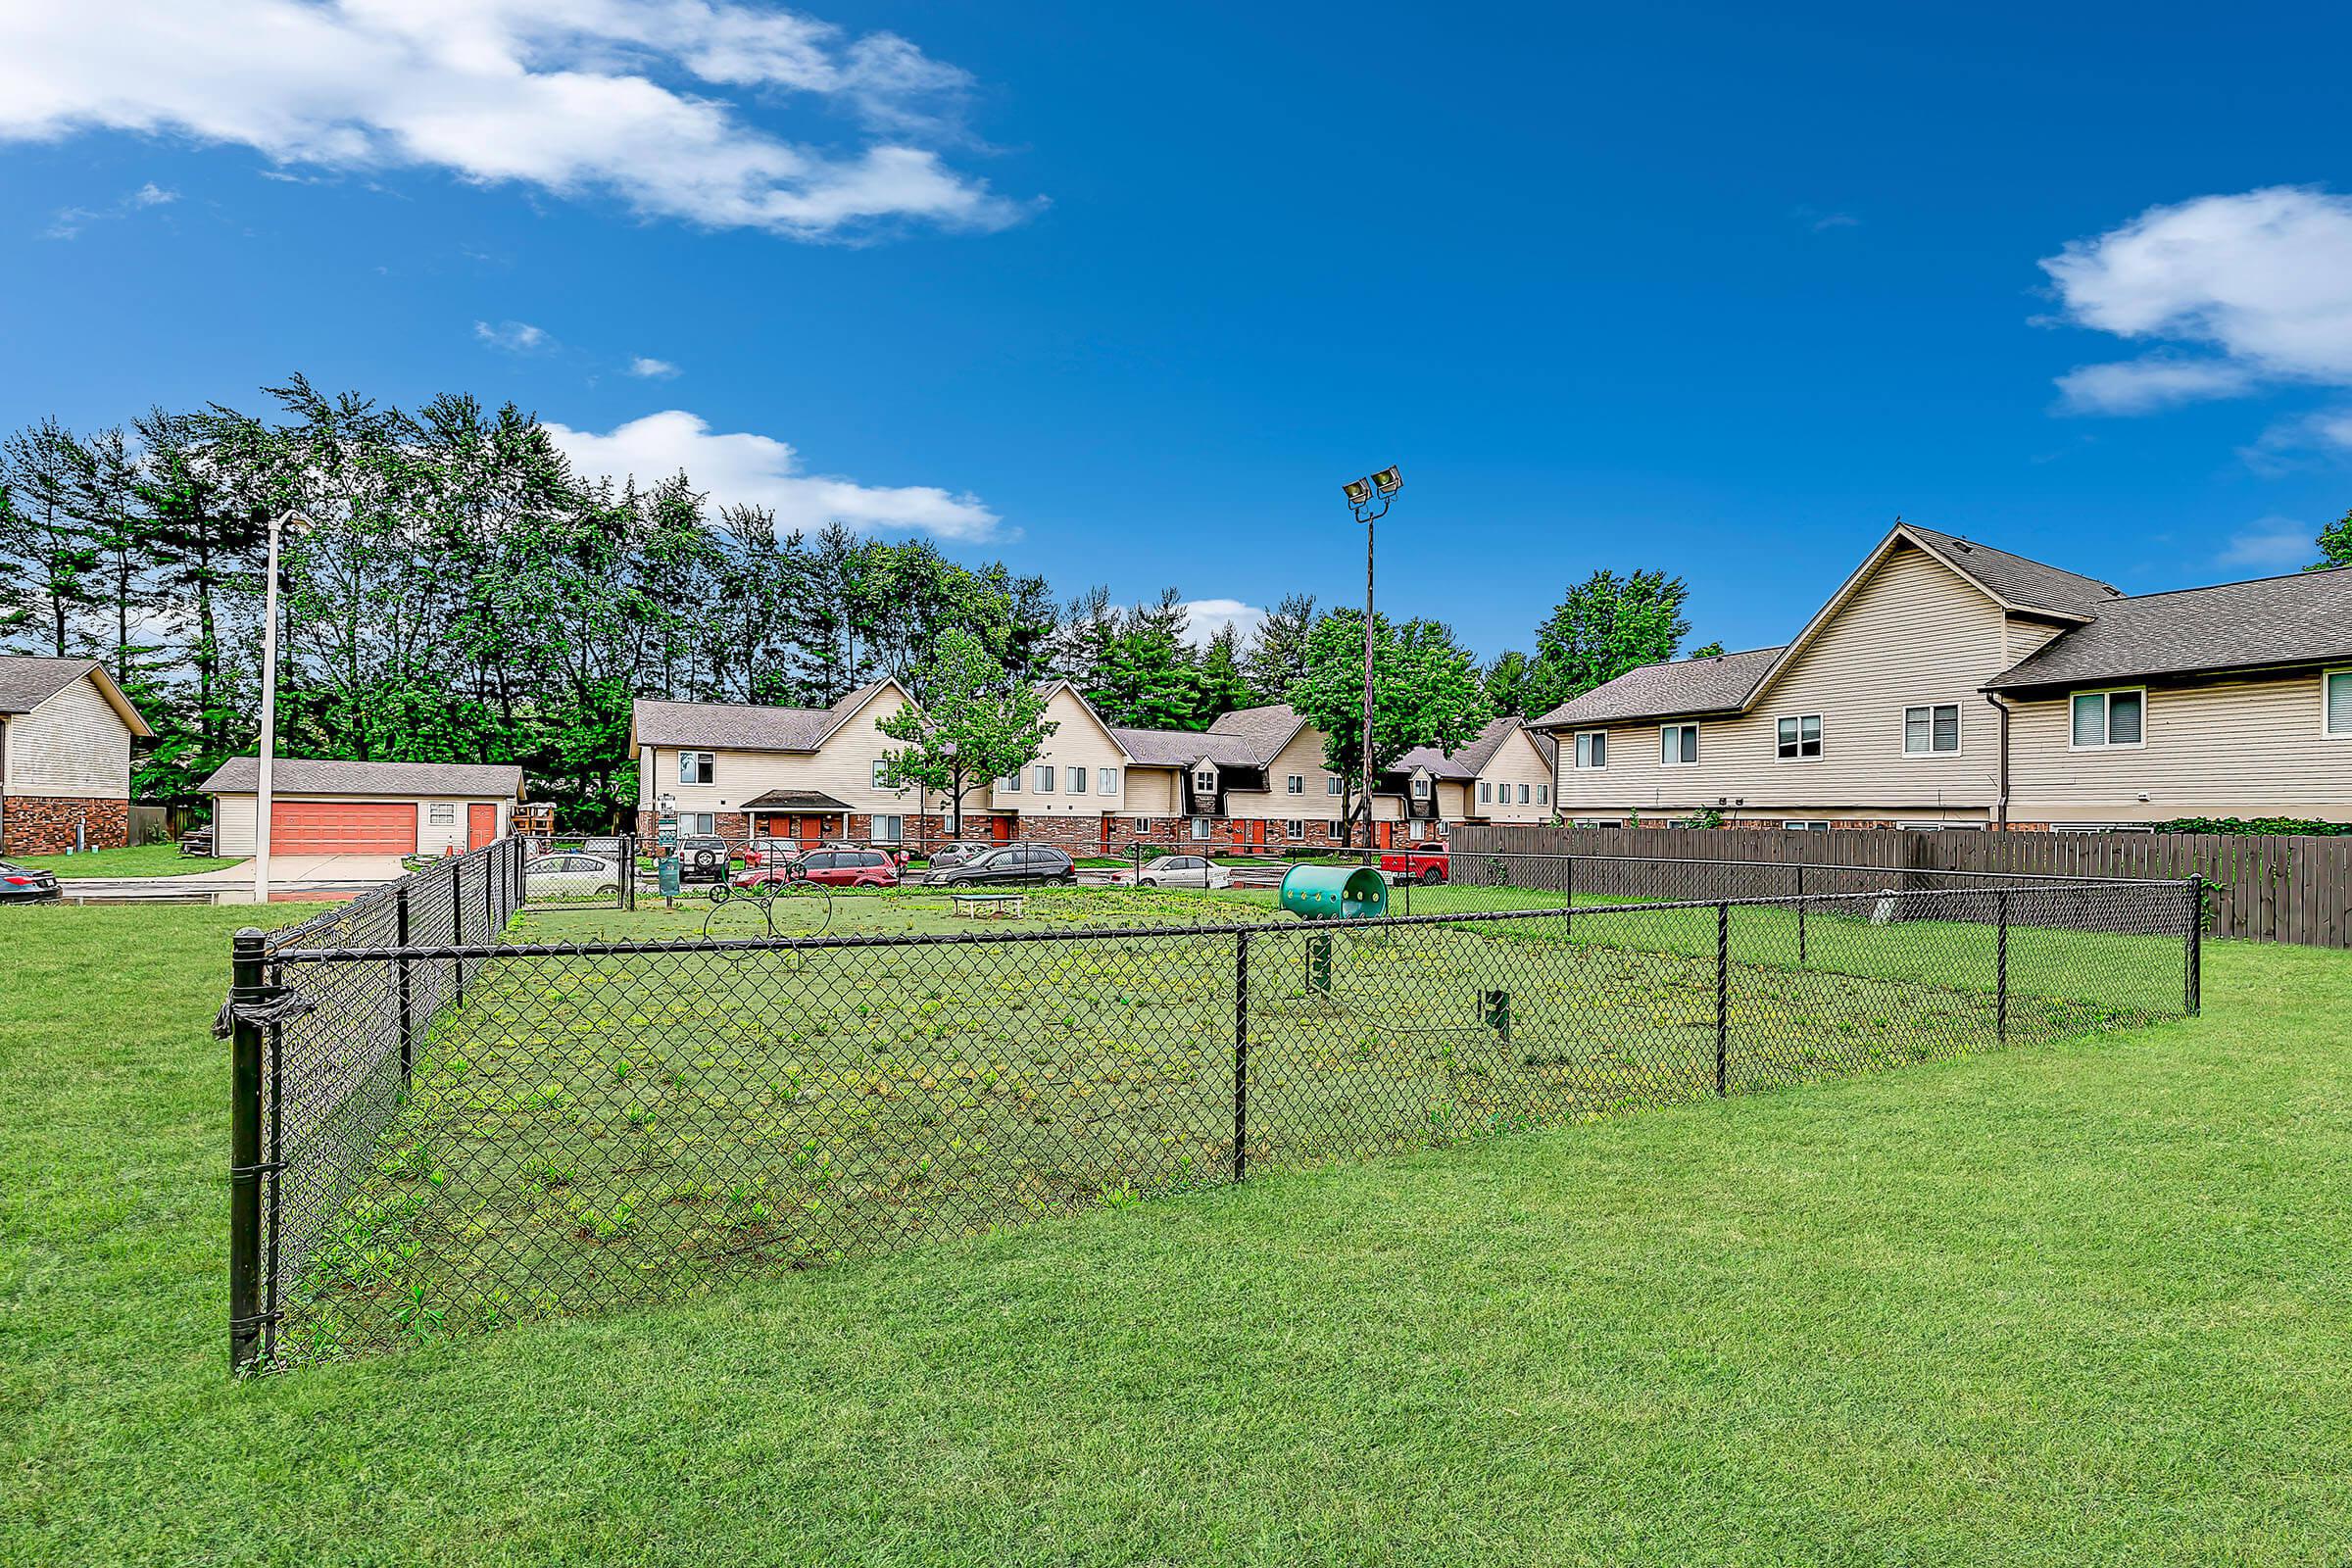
[(27, 682), (1715, 684), (740, 726), (296, 775), (1178, 748), (1268, 728), (2303, 618), (2027, 584), (1467, 763)]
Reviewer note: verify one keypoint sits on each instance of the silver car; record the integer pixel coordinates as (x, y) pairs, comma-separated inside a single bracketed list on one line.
[(572, 875), (1183, 871)]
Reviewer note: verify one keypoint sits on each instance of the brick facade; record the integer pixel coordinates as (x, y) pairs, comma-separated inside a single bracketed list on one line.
[(45, 824), (1082, 835)]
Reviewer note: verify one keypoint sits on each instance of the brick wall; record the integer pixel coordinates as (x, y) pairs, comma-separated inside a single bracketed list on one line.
[(45, 824)]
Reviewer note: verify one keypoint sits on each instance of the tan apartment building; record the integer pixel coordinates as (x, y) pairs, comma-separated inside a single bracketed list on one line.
[(66, 733), (1948, 684)]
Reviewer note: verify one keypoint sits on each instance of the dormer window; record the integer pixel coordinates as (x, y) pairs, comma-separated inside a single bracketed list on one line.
[(1205, 781), (1420, 787)]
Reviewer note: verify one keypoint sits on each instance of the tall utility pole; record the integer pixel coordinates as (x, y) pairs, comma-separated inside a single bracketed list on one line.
[(1370, 499), (261, 801)]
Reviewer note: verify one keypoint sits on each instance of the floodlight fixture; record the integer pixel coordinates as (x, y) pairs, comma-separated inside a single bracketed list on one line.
[(1388, 481), (1360, 491)]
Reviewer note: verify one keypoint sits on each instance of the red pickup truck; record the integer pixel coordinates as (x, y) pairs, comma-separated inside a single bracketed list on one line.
[(1422, 862)]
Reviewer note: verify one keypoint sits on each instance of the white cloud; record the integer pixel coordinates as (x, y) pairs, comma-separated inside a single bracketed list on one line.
[(515, 337), (1205, 617), (2262, 280), (2327, 431), (652, 369), (571, 97), (71, 220), (760, 470), (2270, 544), (2140, 386)]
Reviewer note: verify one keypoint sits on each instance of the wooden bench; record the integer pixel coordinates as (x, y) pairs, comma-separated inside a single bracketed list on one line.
[(990, 906)]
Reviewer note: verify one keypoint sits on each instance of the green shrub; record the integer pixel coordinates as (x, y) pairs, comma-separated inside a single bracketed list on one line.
[(2269, 827)]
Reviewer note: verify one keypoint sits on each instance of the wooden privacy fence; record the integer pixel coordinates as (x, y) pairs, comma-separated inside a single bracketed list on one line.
[(2264, 889)]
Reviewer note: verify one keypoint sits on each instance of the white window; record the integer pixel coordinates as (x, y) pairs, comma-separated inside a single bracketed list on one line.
[(1930, 729), (1941, 827), (1420, 789), (1010, 784), (1143, 824), (1296, 830), (696, 824), (889, 829), (1806, 827), (2335, 704), (1294, 784), (1677, 745), (1334, 785), (1077, 781), (695, 767), (1204, 782), (1045, 778), (1486, 792), (1107, 781), (442, 813), (1599, 821), (2108, 718), (881, 774), (1542, 794), (1593, 748), (1801, 737), (1200, 827)]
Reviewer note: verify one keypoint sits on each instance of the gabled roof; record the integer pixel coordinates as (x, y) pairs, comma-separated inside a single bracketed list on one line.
[(1268, 728), (743, 726), (297, 775), (1470, 759), (1718, 683), (27, 682), (2304, 619), (795, 801), (1182, 747), (2016, 582)]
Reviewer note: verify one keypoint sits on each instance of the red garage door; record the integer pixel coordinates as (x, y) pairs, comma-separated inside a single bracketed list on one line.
[(342, 827)]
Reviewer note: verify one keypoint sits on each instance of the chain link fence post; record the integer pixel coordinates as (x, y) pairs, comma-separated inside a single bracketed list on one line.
[(2192, 983), (403, 981), (1722, 999), (246, 988), (457, 921), (2000, 968), (1241, 1052)]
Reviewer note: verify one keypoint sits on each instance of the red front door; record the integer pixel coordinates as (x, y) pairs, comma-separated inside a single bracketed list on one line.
[(481, 824), (1002, 829)]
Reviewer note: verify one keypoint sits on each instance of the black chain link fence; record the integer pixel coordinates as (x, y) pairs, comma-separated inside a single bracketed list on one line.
[(572, 1125)]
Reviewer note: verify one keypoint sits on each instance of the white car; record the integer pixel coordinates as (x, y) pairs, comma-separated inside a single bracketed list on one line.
[(1183, 871), (571, 876)]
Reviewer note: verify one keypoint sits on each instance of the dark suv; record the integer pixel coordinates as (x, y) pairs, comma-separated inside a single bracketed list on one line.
[(704, 857), (1008, 862)]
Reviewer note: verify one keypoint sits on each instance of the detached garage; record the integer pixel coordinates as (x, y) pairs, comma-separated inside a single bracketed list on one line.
[(363, 807)]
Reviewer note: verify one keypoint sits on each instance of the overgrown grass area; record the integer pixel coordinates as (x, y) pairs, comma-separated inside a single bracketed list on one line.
[(2080, 1302), (599, 1129), (137, 859)]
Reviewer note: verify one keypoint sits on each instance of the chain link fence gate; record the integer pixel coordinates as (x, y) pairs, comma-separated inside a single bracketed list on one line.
[(438, 1133)]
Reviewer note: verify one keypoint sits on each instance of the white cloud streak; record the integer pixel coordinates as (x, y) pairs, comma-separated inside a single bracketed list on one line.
[(514, 337), (741, 468), (2260, 281), (571, 97), (652, 369), (2270, 544), (71, 220), (1205, 617)]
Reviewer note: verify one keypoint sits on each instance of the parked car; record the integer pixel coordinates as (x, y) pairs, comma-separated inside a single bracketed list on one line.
[(1424, 862), (1008, 862), (703, 859), (1183, 871), (850, 868), (771, 851), (570, 875), (957, 853), (23, 885)]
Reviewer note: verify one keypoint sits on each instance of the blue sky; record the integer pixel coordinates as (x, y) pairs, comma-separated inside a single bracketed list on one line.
[(1121, 295)]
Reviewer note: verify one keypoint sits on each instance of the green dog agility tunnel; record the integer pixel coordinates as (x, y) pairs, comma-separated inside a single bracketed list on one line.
[(1335, 892)]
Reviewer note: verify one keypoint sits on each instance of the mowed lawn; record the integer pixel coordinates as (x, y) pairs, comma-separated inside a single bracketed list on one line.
[(2077, 1301)]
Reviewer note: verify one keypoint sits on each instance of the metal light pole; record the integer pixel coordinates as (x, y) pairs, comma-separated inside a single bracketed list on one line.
[(269, 749), (1370, 499)]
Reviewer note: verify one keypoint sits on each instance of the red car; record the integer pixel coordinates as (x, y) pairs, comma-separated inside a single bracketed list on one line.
[(832, 868), (1423, 862)]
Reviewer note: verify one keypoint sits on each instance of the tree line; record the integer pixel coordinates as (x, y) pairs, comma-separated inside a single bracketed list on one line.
[(456, 592)]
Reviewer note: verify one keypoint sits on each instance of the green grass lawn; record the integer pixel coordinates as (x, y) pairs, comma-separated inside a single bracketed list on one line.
[(2079, 1301), (138, 859)]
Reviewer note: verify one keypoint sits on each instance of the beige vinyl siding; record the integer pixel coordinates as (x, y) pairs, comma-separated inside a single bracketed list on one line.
[(1517, 762), (73, 744), (2219, 748), (1153, 792), (233, 817), (1079, 740), (1454, 798), (1302, 754), (842, 767), (1913, 633)]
